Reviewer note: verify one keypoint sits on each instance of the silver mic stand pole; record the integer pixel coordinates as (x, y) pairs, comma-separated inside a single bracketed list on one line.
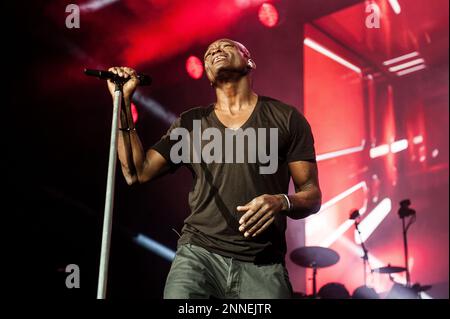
[(109, 200)]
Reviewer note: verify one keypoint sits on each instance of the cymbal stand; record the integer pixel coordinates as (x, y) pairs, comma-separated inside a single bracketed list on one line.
[(365, 256)]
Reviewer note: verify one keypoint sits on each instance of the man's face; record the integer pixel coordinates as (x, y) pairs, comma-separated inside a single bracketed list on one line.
[(225, 55)]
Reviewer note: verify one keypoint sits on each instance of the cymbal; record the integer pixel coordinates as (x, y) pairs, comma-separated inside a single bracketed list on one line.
[(389, 269), (314, 257)]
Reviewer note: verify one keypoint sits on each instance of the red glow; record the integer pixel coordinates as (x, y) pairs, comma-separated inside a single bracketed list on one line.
[(268, 15), (248, 3), (134, 113), (194, 67), (188, 21), (338, 118)]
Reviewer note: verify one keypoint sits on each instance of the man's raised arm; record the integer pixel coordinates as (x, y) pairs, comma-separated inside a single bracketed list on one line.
[(137, 166)]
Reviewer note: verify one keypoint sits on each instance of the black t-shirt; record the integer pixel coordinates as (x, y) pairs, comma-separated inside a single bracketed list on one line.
[(221, 185)]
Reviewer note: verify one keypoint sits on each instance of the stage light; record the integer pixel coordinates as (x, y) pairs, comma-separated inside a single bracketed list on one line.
[(418, 139), (379, 151), (341, 196), (313, 223), (95, 5), (411, 70), (346, 151), (401, 58), (406, 65), (319, 48), (194, 67), (435, 153), (155, 108), (154, 247), (243, 3), (395, 6), (399, 146), (341, 229), (268, 15), (336, 234), (134, 113)]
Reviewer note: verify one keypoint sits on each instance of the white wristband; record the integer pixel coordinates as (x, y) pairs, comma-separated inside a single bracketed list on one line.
[(288, 201)]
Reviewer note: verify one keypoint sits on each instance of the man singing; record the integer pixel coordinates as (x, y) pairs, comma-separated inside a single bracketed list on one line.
[(233, 243)]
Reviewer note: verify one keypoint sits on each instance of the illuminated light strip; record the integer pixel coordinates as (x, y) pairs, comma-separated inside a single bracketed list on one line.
[(401, 58), (95, 5), (319, 48), (418, 139), (346, 151), (342, 195), (384, 149), (380, 150), (374, 261), (406, 65), (312, 224), (328, 241), (395, 6), (411, 70), (399, 146), (155, 247), (154, 107), (373, 220)]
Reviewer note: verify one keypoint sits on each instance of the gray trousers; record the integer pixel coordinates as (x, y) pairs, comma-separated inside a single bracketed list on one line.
[(198, 273)]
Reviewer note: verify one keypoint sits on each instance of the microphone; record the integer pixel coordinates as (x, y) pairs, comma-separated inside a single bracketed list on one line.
[(354, 215), (105, 75)]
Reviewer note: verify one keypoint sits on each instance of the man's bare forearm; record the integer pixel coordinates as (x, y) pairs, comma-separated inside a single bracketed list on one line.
[(305, 202), (131, 152)]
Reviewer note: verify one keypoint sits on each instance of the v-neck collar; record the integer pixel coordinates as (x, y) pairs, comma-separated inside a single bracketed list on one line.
[(250, 118)]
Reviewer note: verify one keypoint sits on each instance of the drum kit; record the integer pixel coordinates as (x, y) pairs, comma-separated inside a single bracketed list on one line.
[(315, 257)]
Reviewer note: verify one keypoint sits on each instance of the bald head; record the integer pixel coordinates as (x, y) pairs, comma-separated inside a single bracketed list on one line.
[(239, 45), (226, 56)]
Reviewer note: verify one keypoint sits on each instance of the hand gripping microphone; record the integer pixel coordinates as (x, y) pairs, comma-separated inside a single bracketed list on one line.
[(106, 75)]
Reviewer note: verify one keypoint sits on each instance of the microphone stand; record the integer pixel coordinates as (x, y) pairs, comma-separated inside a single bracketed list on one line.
[(405, 228), (405, 247), (365, 257), (109, 200)]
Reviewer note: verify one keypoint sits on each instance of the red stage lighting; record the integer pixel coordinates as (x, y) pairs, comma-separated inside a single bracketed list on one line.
[(134, 113), (194, 67), (268, 15)]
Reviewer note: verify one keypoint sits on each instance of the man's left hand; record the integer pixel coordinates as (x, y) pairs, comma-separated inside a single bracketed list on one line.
[(259, 213)]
